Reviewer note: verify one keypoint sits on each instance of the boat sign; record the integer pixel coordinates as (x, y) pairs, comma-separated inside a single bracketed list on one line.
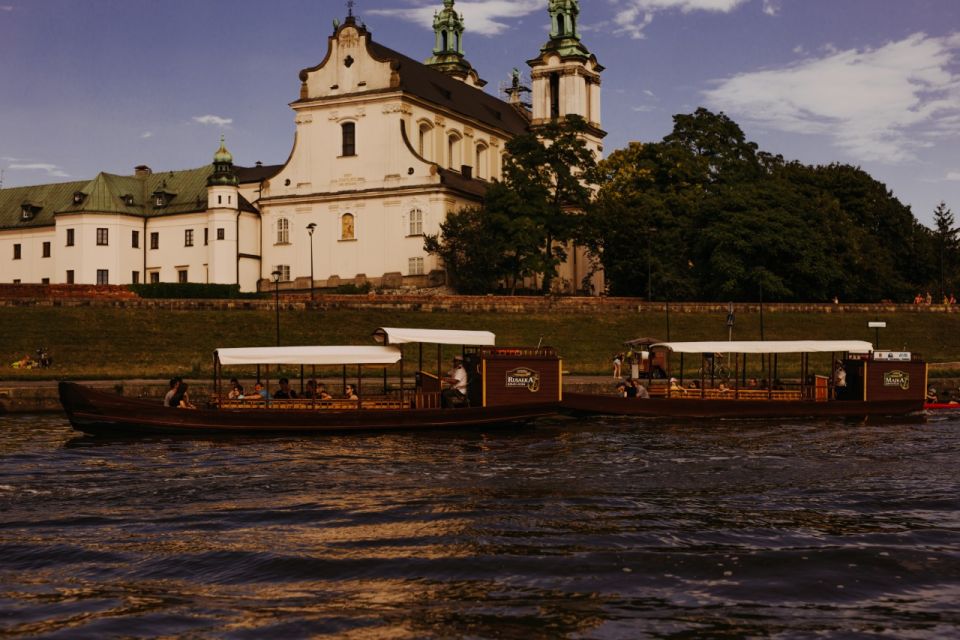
[(896, 379), (892, 356), (525, 378)]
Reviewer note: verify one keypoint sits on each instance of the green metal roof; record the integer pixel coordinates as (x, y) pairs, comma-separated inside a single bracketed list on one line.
[(107, 193)]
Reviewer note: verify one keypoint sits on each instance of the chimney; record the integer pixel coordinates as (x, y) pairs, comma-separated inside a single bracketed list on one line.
[(142, 171)]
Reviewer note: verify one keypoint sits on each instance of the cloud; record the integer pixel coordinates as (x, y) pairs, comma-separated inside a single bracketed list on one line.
[(771, 7), (6, 7), (953, 176), (483, 17), (214, 120), (146, 134), (633, 16), (876, 104), (51, 170)]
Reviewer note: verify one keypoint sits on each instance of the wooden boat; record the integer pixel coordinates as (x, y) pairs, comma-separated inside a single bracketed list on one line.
[(877, 384), (504, 386)]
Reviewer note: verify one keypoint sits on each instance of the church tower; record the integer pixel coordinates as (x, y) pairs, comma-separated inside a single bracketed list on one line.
[(223, 203), (566, 76), (448, 55)]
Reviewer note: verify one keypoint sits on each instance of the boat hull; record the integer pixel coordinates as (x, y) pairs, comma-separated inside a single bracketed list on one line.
[(585, 403), (99, 413)]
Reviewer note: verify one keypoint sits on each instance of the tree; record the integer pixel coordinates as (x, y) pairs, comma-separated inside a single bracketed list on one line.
[(947, 243), (471, 253)]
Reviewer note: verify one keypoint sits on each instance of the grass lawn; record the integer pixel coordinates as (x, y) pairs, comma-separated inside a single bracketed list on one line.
[(105, 343)]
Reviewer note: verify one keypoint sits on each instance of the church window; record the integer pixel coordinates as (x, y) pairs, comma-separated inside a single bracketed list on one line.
[(221, 233), (154, 240), (188, 237), (349, 130), (423, 143), (154, 277), (70, 234), (103, 276), (182, 276), (416, 222), (283, 231), (554, 95), (17, 252), (78, 197), (347, 230), (46, 249), (443, 40), (284, 271), (103, 236), (70, 276), (481, 163), (135, 239), (453, 151)]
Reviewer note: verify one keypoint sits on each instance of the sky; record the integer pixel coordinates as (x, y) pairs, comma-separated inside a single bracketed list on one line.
[(105, 85)]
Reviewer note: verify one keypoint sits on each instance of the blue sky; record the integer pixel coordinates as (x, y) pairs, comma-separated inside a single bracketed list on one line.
[(104, 85)]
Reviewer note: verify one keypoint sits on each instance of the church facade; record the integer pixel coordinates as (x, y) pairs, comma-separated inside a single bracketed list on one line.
[(385, 148)]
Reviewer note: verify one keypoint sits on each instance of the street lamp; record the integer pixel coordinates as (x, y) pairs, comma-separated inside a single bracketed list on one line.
[(310, 229), (276, 304)]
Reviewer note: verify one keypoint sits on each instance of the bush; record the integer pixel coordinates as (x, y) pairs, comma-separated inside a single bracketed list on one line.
[(191, 290)]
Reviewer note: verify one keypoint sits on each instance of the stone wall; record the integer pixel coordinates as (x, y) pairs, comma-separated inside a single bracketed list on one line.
[(114, 296)]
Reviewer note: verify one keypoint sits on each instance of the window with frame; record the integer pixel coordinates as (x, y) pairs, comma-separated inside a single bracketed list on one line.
[(283, 231), (70, 237), (69, 276), (415, 266), (188, 237), (349, 135), (347, 227), (206, 236), (416, 222), (221, 233), (44, 280), (284, 270), (182, 276), (453, 151), (103, 236), (46, 249), (154, 239), (154, 277), (423, 145), (481, 162), (135, 239), (135, 277), (103, 276), (17, 252)]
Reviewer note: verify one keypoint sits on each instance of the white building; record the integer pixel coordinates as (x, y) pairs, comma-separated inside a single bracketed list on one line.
[(385, 148)]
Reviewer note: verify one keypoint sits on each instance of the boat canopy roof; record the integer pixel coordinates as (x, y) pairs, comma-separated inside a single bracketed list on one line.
[(767, 346), (394, 335), (315, 355)]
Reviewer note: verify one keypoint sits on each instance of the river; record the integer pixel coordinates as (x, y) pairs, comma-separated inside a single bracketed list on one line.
[(567, 529)]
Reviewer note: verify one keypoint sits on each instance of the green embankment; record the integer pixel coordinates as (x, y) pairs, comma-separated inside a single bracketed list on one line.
[(105, 343)]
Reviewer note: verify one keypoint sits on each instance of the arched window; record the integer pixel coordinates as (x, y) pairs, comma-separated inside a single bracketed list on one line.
[(349, 131), (453, 151), (283, 231), (481, 161), (416, 222), (347, 230), (423, 143)]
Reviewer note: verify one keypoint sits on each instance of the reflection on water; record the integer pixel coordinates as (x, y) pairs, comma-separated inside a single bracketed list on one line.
[(596, 529)]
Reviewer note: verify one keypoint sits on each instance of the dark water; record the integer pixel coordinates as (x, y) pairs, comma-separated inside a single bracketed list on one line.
[(603, 529)]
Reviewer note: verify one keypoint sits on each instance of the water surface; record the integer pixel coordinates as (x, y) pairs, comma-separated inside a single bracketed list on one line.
[(573, 529)]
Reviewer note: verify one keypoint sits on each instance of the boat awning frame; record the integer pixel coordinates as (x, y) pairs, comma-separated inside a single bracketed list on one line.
[(400, 335), (312, 355), (767, 346)]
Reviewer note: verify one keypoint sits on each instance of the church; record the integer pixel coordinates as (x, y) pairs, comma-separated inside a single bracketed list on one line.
[(385, 148)]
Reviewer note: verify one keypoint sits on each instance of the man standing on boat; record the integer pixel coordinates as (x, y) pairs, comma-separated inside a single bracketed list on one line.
[(456, 394)]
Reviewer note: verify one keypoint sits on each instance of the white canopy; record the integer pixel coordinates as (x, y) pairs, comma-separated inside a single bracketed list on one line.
[(767, 346), (393, 335), (346, 354)]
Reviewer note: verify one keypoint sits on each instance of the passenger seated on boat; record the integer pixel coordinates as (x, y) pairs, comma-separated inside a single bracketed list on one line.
[(174, 384), (722, 389), (181, 399), (349, 393), (456, 394), (675, 386), (236, 389), (932, 397), (640, 390), (753, 384), (622, 389), (284, 392), (259, 394)]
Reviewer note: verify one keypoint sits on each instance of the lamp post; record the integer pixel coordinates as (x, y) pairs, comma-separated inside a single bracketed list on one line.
[(310, 229), (276, 304)]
